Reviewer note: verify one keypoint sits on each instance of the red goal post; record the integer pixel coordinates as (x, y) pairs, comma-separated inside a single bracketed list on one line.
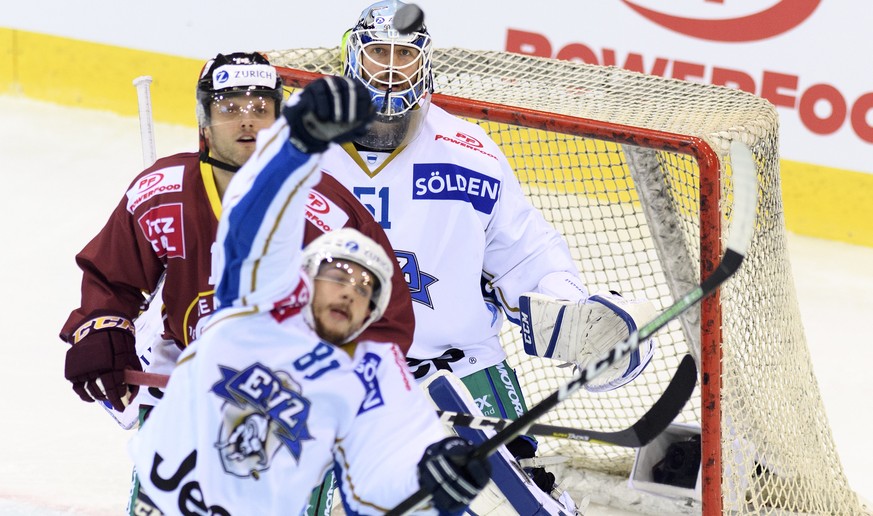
[(633, 170)]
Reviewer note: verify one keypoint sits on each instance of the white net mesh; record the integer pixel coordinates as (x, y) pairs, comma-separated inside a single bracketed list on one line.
[(629, 208)]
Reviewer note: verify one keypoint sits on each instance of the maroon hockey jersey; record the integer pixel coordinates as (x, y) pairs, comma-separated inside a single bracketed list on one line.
[(168, 219)]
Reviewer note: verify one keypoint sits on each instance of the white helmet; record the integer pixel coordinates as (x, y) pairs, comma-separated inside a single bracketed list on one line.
[(401, 93), (351, 245)]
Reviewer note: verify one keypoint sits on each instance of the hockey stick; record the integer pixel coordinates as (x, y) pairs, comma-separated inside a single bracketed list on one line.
[(146, 124), (133, 377), (649, 426), (741, 232), (641, 433)]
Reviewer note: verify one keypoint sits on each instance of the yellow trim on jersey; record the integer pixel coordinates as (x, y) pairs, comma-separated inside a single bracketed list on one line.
[(356, 157), (200, 295), (211, 189)]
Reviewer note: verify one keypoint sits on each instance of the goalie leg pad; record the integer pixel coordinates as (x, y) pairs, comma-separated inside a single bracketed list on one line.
[(448, 393), (580, 332)]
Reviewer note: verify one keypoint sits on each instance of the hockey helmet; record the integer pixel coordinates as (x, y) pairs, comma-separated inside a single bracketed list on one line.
[(351, 245), (236, 74), (395, 68)]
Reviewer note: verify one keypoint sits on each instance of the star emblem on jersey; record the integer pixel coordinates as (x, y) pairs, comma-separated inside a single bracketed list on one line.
[(417, 280), (263, 412)]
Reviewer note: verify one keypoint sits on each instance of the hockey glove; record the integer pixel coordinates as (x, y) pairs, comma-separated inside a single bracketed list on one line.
[(580, 332), (524, 447), (447, 472), (330, 109), (103, 348)]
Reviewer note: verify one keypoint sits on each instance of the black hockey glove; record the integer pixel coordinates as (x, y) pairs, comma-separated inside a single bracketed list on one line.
[(103, 347), (330, 109), (447, 472), (524, 447)]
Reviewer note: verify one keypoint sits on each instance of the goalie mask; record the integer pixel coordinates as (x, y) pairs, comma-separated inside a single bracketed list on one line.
[(350, 245), (395, 68), (247, 77)]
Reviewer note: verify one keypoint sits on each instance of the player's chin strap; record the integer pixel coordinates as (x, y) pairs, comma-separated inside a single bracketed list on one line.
[(206, 158)]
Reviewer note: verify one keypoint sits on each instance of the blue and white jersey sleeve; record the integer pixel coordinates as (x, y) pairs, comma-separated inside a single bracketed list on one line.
[(260, 232)]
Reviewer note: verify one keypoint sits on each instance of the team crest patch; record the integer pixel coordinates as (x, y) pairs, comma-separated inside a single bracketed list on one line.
[(263, 413)]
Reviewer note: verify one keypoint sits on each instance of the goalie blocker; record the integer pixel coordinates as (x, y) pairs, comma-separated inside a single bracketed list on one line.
[(579, 332)]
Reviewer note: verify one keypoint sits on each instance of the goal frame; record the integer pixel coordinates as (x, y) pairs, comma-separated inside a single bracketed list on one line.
[(710, 235)]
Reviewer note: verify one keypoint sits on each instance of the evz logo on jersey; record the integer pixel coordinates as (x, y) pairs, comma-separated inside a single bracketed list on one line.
[(261, 413), (447, 181), (417, 280), (368, 370), (162, 226), (161, 181)]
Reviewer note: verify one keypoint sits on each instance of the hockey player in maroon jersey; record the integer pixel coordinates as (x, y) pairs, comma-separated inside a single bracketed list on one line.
[(165, 225)]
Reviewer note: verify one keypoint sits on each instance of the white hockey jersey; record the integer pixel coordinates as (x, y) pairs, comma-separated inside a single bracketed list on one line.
[(258, 408), (457, 218)]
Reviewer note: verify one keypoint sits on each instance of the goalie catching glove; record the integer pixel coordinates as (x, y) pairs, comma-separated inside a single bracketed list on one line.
[(103, 347), (330, 109), (453, 479), (579, 332)]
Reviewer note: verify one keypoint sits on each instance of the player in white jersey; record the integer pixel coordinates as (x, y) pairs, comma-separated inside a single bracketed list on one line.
[(470, 245), (277, 391)]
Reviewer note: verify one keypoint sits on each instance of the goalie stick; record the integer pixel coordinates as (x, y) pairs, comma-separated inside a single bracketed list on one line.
[(649, 426), (641, 433), (740, 237)]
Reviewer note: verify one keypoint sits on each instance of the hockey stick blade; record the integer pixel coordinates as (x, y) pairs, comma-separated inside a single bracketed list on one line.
[(745, 187), (641, 433)]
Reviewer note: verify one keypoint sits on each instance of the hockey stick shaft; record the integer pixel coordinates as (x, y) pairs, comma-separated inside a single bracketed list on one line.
[(649, 426), (146, 124), (742, 230), (133, 377)]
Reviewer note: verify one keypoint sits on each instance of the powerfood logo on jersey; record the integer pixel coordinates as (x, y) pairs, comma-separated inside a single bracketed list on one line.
[(324, 213), (755, 23), (447, 181), (263, 412), (466, 141), (165, 180)]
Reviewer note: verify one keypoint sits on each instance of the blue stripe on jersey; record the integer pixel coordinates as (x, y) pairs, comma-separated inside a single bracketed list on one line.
[(248, 216)]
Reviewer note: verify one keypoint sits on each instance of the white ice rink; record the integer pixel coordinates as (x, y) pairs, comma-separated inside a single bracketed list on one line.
[(63, 171)]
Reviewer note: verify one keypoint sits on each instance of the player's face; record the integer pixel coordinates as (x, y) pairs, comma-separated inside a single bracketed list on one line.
[(387, 65), (341, 300), (235, 122)]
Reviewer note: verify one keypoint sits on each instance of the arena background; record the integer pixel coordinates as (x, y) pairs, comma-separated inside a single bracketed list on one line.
[(800, 54)]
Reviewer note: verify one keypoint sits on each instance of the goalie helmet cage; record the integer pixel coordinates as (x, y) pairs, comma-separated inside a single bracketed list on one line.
[(634, 171)]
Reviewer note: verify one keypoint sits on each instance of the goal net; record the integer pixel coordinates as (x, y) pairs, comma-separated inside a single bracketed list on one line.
[(633, 170)]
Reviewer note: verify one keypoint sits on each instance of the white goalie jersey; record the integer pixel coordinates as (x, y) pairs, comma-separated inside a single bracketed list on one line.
[(457, 218)]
